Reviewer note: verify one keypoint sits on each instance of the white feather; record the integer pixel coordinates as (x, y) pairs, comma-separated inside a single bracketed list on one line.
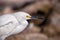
[(12, 24)]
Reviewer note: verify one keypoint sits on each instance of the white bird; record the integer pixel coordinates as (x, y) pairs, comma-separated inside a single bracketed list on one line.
[(13, 23)]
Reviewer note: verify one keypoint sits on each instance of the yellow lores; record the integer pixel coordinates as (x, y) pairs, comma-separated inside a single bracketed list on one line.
[(28, 17)]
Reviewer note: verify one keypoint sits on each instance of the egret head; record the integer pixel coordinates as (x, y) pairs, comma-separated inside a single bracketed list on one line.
[(24, 15)]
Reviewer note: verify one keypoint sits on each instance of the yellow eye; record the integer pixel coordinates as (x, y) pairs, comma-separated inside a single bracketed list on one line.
[(28, 16)]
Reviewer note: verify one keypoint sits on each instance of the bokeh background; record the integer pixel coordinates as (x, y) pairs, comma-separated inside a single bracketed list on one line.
[(47, 24)]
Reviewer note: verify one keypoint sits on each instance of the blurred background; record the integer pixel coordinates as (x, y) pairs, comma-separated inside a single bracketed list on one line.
[(47, 24)]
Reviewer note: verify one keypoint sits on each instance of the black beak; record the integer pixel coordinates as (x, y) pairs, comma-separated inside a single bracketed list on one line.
[(33, 17)]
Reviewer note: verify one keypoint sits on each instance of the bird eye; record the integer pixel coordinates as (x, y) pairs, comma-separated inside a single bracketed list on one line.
[(28, 16)]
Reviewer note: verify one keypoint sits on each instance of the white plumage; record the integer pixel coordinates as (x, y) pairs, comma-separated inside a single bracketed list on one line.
[(12, 24)]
